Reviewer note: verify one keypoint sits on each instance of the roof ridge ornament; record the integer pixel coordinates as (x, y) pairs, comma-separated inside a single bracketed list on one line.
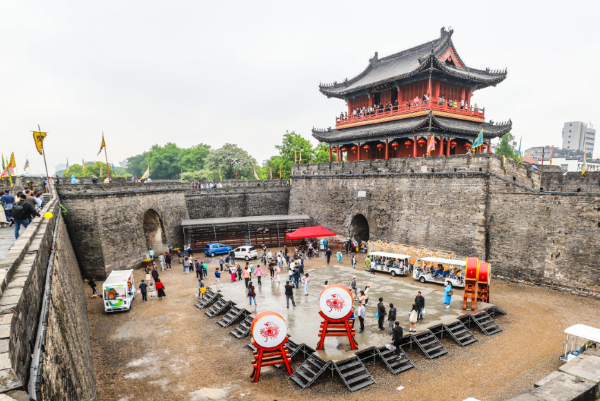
[(373, 61)]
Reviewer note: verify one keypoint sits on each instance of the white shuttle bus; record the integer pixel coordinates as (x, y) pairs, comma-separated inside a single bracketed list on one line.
[(438, 270), (118, 291)]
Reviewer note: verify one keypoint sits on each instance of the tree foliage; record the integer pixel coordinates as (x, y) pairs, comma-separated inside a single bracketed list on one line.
[(167, 162), (201, 176), (230, 162), (508, 147), (93, 168)]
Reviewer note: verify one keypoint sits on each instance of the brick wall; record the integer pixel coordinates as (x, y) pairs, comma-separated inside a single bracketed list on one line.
[(571, 182)]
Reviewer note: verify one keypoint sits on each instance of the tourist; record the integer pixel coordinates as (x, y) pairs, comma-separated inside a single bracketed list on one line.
[(179, 255), (186, 265), (325, 244), (148, 274), (353, 260), (152, 291), (143, 291), (367, 263), (305, 282), (289, 294), (372, 267), (168, 259), (259, 273), (7, 201), (73, 179), (155, 274), (201, 289), (362, 313), (221, 262), (160, 287), (397, 335), (232, 272), (296, 275), (161, 261), (328, 255), (205, 269), (412, 318), (420, 302), (92, 283), (218, 279), (270, 256), (239, 272), (246, 274), (198, 268), (170, 251), (353, 286), (448, 294), (391, 318), (277, 271), (364, 294), (251, 293), (381, 313), (339, 256)]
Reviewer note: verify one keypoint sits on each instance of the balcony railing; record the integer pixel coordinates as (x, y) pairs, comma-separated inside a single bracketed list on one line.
[(413, 107)]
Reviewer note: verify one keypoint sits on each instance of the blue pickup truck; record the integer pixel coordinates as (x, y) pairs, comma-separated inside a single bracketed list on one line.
[(216, 248)]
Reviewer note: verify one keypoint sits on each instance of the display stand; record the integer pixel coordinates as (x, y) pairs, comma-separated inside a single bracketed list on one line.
[(484, 275), (470, 282), (269, 335), (269, 357), (337, 328)]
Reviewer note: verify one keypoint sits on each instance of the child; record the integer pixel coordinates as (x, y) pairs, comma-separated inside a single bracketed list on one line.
[(239, 272), (152, 292), (232, 271), (259, 274), (305, 282)]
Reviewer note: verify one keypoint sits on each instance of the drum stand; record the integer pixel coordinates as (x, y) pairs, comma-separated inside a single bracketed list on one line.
[(337, 328), (268, 357)]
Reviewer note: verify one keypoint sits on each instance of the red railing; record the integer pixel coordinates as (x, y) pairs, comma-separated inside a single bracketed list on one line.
[(413, 107)]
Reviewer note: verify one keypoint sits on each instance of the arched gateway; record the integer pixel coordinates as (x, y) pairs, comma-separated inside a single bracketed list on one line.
[(154, 232), (359, 228)]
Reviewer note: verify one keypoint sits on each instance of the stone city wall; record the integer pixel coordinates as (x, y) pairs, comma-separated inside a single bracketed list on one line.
[(557, 181)]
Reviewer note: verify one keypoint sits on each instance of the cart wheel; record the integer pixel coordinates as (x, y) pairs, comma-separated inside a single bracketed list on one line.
[(393, 273), (422, 279), (212, 255)]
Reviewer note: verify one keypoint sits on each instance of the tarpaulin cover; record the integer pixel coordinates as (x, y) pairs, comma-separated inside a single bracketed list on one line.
[(309, 232)]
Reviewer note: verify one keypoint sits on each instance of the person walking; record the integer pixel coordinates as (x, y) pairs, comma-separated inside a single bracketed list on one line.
[(353, 261), (305, 282), (353, 287), (397, 335), (191, 263), (155, 274), (160, 287), (161, 261), (259, 273), (251, 293), (7, 201), (218, 279), (198, 268), (367, 264), (239, 273), (205, 269), (448, 294), (271, 271), (170, 251), (22, 213), (168, 260), (289, 294), (200, 287), (92, 284), (221, 262), (381, 313), (232, 272), (277, 271), (296, 275), (148, 274), (420, 302), (144, 291), (391, 318), (152, 291), (186, 265), (347, 245), (328, 254), (339, 256), (246, 274), (151, 253), (412, 318), (362, 313)]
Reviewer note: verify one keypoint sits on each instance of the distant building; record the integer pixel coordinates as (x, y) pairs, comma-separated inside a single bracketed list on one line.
[(60, 168), (124, 163), (578, 136), (573, 164), (537, 152)]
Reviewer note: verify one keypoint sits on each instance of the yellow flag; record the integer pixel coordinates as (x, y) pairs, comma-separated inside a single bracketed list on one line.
[(38, 137), (146, 174), (103, 144), (83, 165), (256, 175)]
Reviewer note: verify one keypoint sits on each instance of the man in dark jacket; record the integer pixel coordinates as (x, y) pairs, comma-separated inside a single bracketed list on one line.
[(381, 313), (397, 335), (328, 254), (420, 304), (289, 294), (155, 274), (391, 318), (22, 213)]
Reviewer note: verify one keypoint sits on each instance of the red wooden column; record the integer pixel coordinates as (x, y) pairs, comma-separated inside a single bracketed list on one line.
[(358, 156), (338, 153), (448, 146), (489, 148), (349, 108), (441, 151), (462, 94), (329, 153), (370, 99), (468, 98), (387, 148), (415, 147), (437, 90)]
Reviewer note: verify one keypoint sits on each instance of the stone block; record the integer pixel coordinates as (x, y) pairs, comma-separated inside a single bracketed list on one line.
[(525, 397), (9, 381), (552, 376), (565, 387), (585, 366)]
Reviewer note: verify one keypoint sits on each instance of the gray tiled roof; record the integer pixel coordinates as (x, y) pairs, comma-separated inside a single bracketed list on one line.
[(410, 62), (451, 125)]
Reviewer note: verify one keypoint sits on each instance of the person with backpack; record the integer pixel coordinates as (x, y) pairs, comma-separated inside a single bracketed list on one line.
[(296, 275), (92, 283), (251, 293), (7, 201), (305, 282), (22, 213)]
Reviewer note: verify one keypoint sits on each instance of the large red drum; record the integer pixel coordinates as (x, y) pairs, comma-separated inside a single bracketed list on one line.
[(336, 301), (471, 269), (484, 273), (269, 329)]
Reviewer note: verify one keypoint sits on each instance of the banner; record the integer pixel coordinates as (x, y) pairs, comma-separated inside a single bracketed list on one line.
[(83, 165), (39, 137), (551, 154), (479, 141), (431, 145), (146, 174), (256, 175), (103, 145), (26, 164)]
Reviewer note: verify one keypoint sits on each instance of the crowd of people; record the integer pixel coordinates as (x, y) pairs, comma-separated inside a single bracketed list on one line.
[(20, 211), (366, 111), (199, 185)]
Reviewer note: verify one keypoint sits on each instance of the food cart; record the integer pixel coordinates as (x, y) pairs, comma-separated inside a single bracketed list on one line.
[(439, 270)]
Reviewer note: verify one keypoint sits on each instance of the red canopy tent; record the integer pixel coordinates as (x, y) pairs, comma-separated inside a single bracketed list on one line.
[(310, 232)]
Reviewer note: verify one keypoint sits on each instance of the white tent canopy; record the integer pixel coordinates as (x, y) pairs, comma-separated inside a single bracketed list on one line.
[(445, 261), (389, 255), (583, 331)]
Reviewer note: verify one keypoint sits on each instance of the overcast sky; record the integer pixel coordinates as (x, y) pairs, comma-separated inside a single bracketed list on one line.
[(244, 72)]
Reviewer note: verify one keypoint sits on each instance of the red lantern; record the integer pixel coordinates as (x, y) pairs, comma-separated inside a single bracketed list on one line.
[(483, 147), (367, 147), (408, 143), (344, 150), (394, 145), (421, 142), (380, 146), (467, 145), (452, 144), (354, 149), (334, 150)]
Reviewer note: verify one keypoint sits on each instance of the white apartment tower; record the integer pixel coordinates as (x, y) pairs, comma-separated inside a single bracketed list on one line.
[(577, 136)]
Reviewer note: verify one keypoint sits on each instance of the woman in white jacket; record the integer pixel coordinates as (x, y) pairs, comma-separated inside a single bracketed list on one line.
[(412, 318)]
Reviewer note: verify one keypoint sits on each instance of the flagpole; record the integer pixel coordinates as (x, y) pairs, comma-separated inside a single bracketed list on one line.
[(45, 164), (106, 156)]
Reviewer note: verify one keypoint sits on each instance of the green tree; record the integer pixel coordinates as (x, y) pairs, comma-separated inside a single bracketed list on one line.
[(199, 176), (194, 158), (136, 165), (164, 161), (321, 154), (232, 162), (508, 147)]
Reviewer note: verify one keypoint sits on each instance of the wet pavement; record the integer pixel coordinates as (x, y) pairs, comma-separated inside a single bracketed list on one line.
[(304, 319), (7, 238)]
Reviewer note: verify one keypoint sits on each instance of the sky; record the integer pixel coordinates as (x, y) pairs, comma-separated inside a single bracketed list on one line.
[(152, 72)]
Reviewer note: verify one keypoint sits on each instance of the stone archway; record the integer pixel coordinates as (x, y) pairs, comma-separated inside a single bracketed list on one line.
[(359, 228), (154, 232)]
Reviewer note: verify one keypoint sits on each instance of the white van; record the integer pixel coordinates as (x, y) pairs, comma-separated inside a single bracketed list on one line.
[(393, 263), (438, 270), (118, 291)]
